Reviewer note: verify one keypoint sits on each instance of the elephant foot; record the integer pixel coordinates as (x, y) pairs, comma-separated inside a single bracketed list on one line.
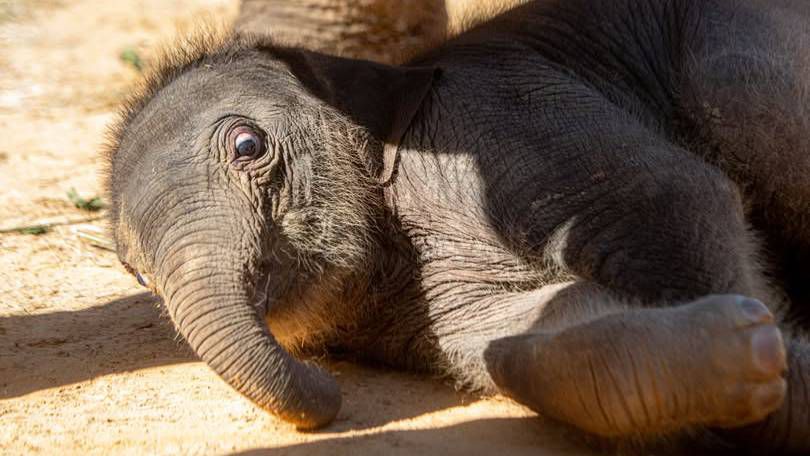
[(787, 430), (715, 362)]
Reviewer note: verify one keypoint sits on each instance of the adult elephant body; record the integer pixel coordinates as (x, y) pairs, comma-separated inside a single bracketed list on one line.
[(557, 205), (387, 31)]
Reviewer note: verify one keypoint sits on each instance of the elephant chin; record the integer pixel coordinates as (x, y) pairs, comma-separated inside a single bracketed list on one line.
[(229, 333)]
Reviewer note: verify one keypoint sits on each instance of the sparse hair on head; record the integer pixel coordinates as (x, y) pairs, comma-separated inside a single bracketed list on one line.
[(171, 60), (189, 49)]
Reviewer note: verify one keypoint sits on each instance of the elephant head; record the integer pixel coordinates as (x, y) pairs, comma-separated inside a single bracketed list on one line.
[(242, 175)]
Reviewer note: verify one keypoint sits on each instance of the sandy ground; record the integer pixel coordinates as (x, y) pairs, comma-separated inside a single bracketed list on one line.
[(87, 362)]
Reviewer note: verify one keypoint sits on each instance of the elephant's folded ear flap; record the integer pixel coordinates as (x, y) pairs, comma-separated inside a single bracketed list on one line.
[(409, 97), (382, 98)]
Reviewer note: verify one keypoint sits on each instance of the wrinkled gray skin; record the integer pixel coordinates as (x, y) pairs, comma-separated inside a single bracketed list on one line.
[(582, 204), (386, 31), (378, 30)]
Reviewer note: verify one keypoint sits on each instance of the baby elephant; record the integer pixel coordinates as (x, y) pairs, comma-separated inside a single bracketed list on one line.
[(598, 207)]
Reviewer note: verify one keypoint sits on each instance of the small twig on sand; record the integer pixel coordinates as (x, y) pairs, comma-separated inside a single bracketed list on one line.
[(43, 227), (94, 236)]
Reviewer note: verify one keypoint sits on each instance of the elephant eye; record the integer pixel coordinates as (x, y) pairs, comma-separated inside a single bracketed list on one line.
[(246, 143)]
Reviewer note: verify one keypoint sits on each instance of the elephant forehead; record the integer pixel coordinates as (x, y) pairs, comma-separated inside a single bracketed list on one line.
[(190, 103), (178, 125)]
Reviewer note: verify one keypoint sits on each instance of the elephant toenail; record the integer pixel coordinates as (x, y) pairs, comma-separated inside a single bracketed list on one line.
[(768, 349), (755, 311), (771, 396)]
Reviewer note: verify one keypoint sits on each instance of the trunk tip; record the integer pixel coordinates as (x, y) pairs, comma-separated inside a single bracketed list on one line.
[(325, 402)]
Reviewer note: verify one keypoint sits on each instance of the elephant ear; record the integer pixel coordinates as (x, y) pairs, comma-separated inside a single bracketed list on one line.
[(383, 98)]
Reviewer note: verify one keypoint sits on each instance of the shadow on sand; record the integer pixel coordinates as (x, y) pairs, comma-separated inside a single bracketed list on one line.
[(48, 350), (51, 350)]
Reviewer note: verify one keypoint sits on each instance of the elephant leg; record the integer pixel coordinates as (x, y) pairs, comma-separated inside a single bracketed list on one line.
[(746, 94), (745, 100), (671, 244), (787, 430), (614, 370), (380, 30)]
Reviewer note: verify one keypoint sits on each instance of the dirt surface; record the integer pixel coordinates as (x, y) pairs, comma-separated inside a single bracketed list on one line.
[(88, 364)]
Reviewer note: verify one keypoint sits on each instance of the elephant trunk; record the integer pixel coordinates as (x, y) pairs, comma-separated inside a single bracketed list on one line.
[(212, 308)]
